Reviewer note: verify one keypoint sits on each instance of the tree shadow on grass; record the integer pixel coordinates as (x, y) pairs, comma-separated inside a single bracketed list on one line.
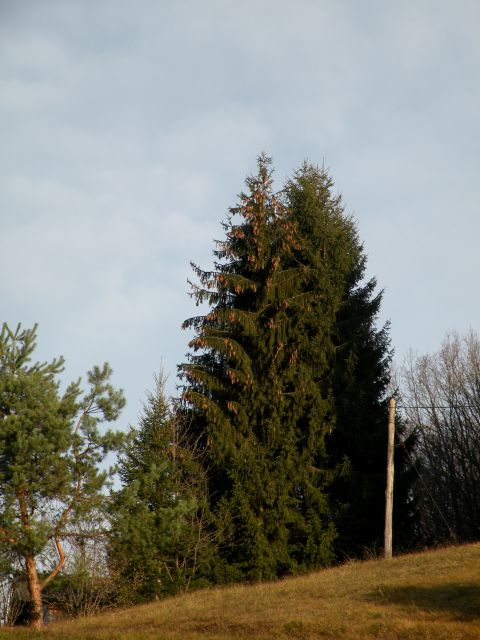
[(461, 600)]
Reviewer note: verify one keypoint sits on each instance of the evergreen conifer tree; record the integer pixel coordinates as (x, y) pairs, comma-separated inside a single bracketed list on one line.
[(357, 367), (50, 451), (157, 540), (361, 378), (287, 379), (261, 412)]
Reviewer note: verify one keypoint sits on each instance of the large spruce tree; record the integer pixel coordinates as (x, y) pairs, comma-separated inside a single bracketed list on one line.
[(357, 369), (277, 363), (240, 383)]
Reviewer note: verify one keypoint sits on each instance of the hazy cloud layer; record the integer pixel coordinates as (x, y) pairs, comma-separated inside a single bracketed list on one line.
[(127, 129)]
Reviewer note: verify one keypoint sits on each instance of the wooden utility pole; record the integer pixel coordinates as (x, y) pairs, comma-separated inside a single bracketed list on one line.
[(389, 489)]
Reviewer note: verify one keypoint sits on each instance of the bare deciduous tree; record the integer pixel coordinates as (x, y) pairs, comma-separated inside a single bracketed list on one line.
[(441, 394), (10, 606)]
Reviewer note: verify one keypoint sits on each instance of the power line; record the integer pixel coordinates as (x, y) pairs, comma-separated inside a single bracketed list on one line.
[(414, 466), (433, 406)]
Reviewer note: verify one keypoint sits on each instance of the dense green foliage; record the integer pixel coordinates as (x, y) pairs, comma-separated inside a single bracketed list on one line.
[(158, 521), (354, 371), (288, 344), (50, 451), (237, 385)]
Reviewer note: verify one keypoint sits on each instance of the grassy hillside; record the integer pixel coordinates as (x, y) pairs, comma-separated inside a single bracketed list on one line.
[(434, 595)]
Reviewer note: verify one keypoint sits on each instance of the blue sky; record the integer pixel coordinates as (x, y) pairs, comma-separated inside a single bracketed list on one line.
[(128, 127)]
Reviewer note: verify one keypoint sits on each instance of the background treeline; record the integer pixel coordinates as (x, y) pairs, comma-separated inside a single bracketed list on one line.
[(441, 399), (272, 459)]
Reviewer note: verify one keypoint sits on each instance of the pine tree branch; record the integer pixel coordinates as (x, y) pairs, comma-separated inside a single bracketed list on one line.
[(7, 536), (59, 565)]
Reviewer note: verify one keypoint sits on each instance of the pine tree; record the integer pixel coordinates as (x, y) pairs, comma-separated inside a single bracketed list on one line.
[(158, 534), (50, 451)]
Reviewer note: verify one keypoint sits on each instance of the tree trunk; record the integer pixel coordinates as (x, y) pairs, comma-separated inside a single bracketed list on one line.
[(36, 609)]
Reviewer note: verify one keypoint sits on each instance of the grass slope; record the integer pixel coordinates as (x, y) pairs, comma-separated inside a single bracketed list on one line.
[(433, 595)]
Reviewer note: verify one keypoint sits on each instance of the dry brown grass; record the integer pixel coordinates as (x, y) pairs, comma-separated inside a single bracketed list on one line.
[(433, 595)]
